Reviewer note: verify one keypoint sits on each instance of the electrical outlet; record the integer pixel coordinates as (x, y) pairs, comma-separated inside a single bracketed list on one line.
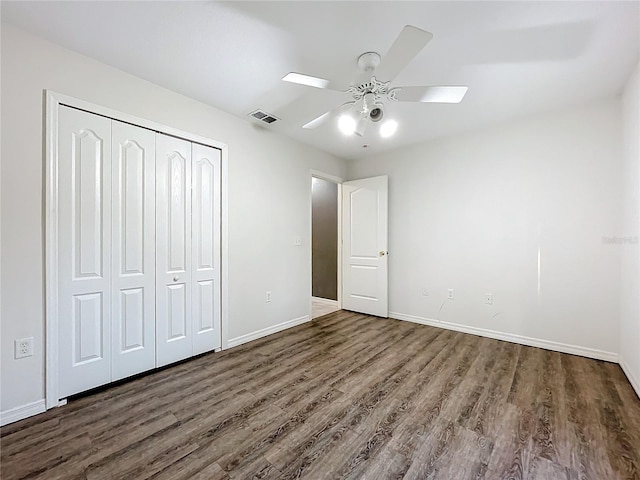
[(488, 298), (267, 296), (24, 347), (297, 240), (425, 292), (451, 294)]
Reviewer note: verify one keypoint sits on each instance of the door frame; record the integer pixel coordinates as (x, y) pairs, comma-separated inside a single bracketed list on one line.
[(338, 181), (53, 101)]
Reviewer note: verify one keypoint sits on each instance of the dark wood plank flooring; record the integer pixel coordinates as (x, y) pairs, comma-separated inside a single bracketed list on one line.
[(346, 396)]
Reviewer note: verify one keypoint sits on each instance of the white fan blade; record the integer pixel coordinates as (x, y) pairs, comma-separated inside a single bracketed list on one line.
[(316, 122), (404, 49), (309, 81), (431, 94)]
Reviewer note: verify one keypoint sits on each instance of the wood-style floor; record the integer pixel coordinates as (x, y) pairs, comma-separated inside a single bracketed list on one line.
[(346, 396), (319, 308)]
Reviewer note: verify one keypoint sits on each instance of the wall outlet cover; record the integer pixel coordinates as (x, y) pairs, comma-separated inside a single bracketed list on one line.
[(23, 347)]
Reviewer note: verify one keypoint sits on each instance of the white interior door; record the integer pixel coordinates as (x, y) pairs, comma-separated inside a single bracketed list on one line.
[(364, 246), (84, 238), (132, 250), (205, 247), (173, 250)]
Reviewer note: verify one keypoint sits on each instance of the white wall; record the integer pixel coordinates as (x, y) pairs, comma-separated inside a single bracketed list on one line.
[(269, 197), (630, 286), (475, 212)]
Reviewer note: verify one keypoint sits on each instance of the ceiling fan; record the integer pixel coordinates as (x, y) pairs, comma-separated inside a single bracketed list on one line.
[(373, 85)]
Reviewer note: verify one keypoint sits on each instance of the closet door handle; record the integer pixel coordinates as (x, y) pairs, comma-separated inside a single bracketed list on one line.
[(175, 279)]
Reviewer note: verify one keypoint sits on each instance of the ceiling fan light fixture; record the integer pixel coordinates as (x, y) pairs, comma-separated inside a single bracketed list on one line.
[(347, 124), (361, 126), (388, 128)]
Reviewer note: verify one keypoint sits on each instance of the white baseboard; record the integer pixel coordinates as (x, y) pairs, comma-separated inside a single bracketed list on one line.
[(21, 412), (234, 342), (326, 301), (632, 379), (510, 337)]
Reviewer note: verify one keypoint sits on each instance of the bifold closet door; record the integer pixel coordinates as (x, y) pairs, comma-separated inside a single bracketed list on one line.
[(84, 246), (138, 250), (133, 277), (173, 250), (205, 243)]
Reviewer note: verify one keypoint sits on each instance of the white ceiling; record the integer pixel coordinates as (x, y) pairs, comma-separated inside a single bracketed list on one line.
[(517, 58)]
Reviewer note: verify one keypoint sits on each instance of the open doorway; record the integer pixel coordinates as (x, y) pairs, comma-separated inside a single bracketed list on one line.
[(325, 251)]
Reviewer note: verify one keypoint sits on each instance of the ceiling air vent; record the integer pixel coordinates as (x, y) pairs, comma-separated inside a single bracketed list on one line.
[(263, 116)]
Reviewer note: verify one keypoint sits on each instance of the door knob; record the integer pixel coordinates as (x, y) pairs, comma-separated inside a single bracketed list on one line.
[(175, 279), (383, 253)]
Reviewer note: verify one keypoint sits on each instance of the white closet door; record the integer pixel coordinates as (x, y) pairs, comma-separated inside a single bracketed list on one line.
[(132, 250), (206, 248), (84, 240), (173, 250)]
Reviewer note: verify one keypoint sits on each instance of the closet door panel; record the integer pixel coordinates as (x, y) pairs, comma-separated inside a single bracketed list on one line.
[(133, 253), (176, 315), (206, 248), (84, 236), (173, 250)]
